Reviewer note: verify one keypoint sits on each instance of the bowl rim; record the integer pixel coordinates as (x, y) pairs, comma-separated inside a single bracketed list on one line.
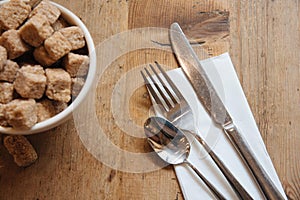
[(66, 113)]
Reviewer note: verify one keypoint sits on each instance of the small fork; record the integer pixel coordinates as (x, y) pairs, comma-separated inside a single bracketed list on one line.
[(175, 108)]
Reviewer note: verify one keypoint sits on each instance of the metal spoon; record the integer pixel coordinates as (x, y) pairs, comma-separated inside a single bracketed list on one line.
[(172, 146)]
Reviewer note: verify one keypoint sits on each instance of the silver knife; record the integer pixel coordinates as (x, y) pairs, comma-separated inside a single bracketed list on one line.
[(209, 98)]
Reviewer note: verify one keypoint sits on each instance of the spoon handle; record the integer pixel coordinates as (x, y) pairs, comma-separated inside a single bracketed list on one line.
[(235, 184), (208, 184)]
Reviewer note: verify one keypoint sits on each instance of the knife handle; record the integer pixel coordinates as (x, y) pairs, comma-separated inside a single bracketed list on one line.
[(264, 181)]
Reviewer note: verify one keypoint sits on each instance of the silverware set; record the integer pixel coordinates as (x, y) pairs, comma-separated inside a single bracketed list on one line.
[(175, 109)]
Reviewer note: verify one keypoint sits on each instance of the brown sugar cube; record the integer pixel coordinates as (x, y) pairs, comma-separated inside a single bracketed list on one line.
[(75, 36), (3, 57), (59, 106), (45, 8), (48, 108), (59, 24), (77, 84), (20, 148), (58, 84), (9, 71), (21, 114), (76, 65), (32, 3), (6, 92), (45, 110), (36, 30), (30, 81), (13, 14), (13, 43), (3, 121), (41, 55), (57, 46)]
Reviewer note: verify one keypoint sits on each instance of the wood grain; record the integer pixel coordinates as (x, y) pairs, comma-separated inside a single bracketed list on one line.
[(263, 38), (265, 50)]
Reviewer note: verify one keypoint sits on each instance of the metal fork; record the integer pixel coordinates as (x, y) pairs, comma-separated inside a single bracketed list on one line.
[(174, 107)]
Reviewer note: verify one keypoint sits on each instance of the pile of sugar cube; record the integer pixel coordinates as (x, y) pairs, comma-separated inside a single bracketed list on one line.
[(43, 63)]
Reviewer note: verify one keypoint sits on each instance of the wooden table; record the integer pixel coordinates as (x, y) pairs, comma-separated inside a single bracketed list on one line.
[(264, 43)]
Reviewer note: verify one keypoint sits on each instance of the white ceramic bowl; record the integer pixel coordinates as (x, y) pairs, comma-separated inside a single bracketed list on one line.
[(58, 119)]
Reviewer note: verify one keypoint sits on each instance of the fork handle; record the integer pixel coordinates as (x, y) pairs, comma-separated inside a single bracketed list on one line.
[(264, 181), (235, 184)]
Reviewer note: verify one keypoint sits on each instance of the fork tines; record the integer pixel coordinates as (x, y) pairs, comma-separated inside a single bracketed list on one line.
[(158, 87)]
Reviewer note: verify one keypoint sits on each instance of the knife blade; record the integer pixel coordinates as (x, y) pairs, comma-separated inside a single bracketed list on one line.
[(209, 98)]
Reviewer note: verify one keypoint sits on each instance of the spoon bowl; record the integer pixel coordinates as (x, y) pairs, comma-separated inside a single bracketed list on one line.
[(167, 141)]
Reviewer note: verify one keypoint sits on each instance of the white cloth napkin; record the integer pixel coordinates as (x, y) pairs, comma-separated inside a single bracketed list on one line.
[(221, 72)]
